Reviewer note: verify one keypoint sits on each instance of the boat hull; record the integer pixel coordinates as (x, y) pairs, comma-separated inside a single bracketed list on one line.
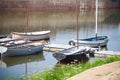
[(102, 41), (31, 35), (73, 54), (23, 51), (73, 58)]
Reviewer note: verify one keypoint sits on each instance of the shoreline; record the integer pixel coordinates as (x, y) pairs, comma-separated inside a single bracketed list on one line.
[(110, 71)]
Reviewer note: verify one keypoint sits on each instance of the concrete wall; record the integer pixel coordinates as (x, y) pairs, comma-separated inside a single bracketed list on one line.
[(59, 3)]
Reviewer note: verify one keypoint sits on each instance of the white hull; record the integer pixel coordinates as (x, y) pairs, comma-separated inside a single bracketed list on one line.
[(31, 35), (102, 41), (93, 43)]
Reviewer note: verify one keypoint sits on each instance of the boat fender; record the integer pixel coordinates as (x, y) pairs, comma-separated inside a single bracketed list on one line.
[(72, 43), (30, 50)]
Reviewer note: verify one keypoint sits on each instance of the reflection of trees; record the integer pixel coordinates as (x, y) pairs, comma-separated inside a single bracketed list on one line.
[(44, 20), (112, 3), (112, 16), (12, 4), (118, 1)]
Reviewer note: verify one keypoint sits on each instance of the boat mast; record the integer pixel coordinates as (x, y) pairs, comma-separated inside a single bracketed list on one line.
[(77, 23), (96, 24), (27, 17)]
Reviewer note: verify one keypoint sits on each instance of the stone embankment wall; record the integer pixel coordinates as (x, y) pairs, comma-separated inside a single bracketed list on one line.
[(59, 4)]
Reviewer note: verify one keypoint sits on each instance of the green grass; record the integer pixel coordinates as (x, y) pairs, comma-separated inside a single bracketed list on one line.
[(63, 72)]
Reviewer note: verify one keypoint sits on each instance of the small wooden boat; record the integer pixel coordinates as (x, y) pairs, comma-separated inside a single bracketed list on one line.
[(2, 36), (101, 41), (93, 41), (5, 40), (39, 35), (22, 47), (73, 54)]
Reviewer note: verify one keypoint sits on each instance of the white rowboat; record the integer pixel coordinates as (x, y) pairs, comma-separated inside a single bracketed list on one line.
[(39, 35)]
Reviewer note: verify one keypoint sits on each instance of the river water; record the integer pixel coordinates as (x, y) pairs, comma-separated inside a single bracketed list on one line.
[(63, 28)]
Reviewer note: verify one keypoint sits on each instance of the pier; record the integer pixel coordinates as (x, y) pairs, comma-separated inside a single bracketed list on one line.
[(60, 47), (56, 47), (106, 53)]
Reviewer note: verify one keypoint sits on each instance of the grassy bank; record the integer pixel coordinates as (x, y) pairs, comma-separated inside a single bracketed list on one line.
[(62, 72)]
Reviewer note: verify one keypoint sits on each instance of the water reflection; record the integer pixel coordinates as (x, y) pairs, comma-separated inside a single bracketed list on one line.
[(63, 28), (114, 18), (15, 20), (2, 64), (11, 61), (26, 65)]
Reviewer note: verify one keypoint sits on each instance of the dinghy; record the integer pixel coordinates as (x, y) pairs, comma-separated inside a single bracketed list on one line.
[(73, 54), (38, 35), (22, 47), (101, 41), (92, 41)]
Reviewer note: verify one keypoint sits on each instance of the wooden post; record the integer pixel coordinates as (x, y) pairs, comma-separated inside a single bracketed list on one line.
[(77, 36), (27, 17)]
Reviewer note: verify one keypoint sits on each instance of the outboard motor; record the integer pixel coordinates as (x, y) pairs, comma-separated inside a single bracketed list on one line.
[(91, 53)]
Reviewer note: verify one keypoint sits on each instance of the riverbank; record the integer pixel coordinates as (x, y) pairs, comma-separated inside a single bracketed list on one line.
[(109, 71), (64, 72)]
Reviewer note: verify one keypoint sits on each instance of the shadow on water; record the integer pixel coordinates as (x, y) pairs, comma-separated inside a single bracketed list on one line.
[(81, 60), (114, 18)]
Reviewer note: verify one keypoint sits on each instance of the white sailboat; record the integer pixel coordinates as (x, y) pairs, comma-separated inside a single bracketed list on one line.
[(92, 41), (38, 35)]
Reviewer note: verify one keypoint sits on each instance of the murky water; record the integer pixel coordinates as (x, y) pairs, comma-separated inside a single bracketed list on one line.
[(63, 28)]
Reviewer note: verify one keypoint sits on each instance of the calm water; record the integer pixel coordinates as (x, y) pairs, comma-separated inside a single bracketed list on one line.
[(63, 28)]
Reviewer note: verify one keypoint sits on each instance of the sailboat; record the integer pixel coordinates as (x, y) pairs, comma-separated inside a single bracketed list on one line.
[(76, 53), (38, 35), (92, 41)]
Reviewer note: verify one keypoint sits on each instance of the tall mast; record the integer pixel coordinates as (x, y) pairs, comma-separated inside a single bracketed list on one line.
[(77, 23), (96, 24), (27, 17)]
